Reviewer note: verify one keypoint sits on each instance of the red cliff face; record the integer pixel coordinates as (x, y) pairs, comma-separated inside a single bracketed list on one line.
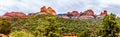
[(51, 11), (89, 12), (75, 12), (48, 10), (43, 9), (15, 15)]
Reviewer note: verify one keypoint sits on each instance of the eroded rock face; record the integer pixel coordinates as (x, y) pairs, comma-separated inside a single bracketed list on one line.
[(51, 11), (75, 13), (43, 9), (15, 15), (89, 12), (48, 10)]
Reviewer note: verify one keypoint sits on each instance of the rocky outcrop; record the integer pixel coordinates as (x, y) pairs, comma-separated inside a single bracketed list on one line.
[(15, 15), (74, 13), (103, 13), (43, 9), (51, 11), (48, 10), (88, 14)]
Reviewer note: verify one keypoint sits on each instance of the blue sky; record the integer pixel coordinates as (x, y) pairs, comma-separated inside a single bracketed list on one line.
[(61, 6)]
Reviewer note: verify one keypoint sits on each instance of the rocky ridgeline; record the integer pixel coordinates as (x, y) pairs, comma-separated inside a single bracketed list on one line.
[(88, 14), (44, 10), (14, 14)]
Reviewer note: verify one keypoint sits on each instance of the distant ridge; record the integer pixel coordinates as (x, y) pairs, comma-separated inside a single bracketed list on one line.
[(87, 14)]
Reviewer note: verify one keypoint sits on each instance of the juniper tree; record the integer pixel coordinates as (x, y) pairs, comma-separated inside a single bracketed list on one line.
[(110, 26)]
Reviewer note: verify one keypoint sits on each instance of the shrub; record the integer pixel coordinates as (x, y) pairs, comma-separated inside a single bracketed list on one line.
[(5, 26), (20, 34)]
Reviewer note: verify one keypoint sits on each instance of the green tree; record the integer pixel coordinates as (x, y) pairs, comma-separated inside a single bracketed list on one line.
[(110, 26), (43, 26), (5, 26), (49, 27), (53, 26)]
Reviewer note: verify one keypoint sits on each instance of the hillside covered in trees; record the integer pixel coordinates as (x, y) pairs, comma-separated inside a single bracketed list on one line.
[(46, 23), (53, 26)]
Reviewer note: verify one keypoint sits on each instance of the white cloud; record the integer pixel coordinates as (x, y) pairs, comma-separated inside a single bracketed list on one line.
[(7, 2), (116, 2)]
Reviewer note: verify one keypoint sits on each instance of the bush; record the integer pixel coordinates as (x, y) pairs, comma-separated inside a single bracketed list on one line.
[(20, 34), (5, 26)]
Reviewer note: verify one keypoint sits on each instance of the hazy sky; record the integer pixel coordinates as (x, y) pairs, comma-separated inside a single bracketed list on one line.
[(61, 6)]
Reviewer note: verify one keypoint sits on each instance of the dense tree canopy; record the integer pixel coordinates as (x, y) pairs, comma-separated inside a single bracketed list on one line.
[(54, 26), (110, 26)]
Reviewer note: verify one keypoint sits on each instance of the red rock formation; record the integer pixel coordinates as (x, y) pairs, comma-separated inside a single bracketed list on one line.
[(103, 13), (51, 11), (43, 9), (89, 12), (15, 15), (75, 13)]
